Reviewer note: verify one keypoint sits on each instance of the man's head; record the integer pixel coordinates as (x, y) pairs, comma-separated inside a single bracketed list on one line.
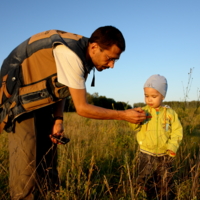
[(107, 36), (105, 46), (155, 89)]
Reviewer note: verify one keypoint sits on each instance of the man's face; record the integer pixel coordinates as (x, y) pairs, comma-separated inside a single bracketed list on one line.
[(104, 58)]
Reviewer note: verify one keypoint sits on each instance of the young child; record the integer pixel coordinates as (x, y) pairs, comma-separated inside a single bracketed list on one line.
[(159, 138)]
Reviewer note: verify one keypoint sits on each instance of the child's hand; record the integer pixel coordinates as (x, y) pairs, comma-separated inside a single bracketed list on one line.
[(171, 153)]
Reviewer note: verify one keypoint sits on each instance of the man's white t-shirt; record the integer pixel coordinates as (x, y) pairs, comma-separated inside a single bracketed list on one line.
[(69, 66)]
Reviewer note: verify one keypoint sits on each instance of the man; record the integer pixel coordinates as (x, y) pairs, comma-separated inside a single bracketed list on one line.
[(35, 80)]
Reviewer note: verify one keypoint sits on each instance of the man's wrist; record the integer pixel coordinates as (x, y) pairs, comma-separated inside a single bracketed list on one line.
[(58, 117)]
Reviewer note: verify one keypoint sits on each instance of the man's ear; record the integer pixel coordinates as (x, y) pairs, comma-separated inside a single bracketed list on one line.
[(93, 47)]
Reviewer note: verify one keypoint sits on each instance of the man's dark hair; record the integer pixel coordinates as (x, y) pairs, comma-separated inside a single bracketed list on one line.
[(107, 36)]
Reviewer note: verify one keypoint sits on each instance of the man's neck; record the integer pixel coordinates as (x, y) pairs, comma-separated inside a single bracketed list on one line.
[(88, 58)]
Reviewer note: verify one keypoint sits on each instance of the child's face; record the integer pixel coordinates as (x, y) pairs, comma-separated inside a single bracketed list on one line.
[(153, 98)]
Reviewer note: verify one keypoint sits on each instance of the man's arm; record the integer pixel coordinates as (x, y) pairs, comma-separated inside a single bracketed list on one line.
[(90, 111), (59, 108)]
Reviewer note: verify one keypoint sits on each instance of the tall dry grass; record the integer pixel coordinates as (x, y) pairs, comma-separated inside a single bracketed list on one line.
[(100, 161)]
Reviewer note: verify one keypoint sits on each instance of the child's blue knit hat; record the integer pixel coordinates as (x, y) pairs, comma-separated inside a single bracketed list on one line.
[(157, 82)]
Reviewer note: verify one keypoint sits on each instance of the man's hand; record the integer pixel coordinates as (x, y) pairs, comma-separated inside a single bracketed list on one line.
[(57, 130), (139, 109), (135, 116)]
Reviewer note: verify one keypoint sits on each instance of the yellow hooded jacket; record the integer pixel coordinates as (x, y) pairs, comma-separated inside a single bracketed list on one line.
[(162, 132)]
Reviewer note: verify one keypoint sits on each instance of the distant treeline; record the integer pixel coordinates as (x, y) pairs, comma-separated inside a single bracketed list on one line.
[(110, 103), (97, 100)]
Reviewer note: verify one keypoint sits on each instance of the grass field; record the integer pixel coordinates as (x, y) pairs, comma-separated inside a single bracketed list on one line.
[(100, 161)]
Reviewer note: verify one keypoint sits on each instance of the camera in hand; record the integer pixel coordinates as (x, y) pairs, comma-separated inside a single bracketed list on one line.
[(61, 139)]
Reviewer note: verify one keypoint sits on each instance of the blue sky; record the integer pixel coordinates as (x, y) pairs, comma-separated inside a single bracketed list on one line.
[(162, 37)]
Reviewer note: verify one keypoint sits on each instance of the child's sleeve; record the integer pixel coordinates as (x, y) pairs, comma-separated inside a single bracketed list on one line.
[(176, 132)]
